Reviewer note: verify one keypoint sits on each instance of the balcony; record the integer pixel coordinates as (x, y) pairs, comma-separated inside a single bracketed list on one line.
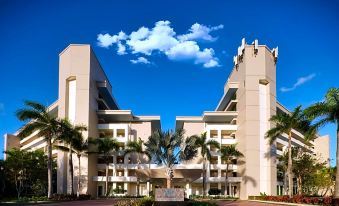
[(228, 141), (223, 167), (220, 179), (115, 179)]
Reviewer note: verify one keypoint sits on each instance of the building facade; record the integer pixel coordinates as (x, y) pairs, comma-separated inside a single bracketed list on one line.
[(241, 117)]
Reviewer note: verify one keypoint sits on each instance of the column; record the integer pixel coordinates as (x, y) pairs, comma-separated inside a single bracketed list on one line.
[(188, 190), (208, 174), (125, 187), (114, 185), (148, 188)]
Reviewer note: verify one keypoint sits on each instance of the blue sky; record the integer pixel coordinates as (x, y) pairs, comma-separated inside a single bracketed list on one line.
[(167, 78)]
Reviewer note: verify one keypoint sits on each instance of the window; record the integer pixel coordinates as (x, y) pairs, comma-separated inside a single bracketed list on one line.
[(214, 134), (225, 134), (120, 160), (120, 133), (105, 133)]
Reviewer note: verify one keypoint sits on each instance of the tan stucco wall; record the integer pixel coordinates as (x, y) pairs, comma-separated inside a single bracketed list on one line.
[(10, 142), (79, 62), (253, 68), (322, 148)]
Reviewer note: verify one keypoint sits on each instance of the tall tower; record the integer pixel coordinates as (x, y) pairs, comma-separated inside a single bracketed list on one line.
[(81, 82), (254, 74)]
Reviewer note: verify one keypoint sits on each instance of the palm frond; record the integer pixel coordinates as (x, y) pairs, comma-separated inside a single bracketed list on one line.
[(36, 106)]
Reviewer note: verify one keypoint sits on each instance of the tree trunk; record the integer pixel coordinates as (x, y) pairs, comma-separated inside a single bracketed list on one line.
[(289, 166), (336, 191), (106, 185), (71, 171), (168, 182), (285, 183), (49, 167), (169, 177), (226, 180), (204, 177), (79, 176), (299, 185)]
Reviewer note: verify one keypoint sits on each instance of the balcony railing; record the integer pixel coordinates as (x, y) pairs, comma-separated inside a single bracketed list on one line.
[(220, 179), (115, 179), (228, 141)]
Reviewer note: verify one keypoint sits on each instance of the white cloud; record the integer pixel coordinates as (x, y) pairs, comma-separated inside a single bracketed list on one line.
[(106, 40), (300, 81), (189, 50), (200, 32), (160, 38), (163, 39), (121, 49), (140, 60)]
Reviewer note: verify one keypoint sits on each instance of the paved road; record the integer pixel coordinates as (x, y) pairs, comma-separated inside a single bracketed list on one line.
[(110, 202)]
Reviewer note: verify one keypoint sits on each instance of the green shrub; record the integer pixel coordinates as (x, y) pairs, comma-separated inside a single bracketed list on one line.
[(146, 201), (63, 197), (214, 191)]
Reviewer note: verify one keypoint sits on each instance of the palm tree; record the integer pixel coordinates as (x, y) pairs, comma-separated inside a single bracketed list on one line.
[(283, 165), (105, 146), (70, 132), (205, 152), (168, 148), (327, 111), (41, 121), (80, 148), (285, 123), (228, 154), (135, 147)]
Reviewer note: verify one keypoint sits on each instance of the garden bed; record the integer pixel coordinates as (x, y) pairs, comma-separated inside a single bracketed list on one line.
[(297, 199), (148, 201)]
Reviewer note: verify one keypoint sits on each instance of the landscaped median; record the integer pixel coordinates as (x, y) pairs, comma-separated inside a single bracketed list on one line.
[(297, 199), (149, 201)]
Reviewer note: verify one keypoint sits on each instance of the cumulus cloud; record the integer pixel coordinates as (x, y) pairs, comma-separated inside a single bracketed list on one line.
[(300, 81), (200, 32), (106, 40), (162, 39), (189, 50), (140, 60)]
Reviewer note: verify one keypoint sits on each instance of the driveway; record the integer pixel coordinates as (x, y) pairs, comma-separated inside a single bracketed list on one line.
[(110, 202)]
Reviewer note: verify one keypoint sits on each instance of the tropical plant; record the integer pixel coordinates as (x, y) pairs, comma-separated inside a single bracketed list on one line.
[(283, 165), (228, 154), (69, 134), (285, 123), (325, 112), (16, 165), (135, 147), (205, 145), (105, 146), (321, 182), (80, 148), (2, 178), (304, 166), (18, 169), (47, 126), (169, 148)]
